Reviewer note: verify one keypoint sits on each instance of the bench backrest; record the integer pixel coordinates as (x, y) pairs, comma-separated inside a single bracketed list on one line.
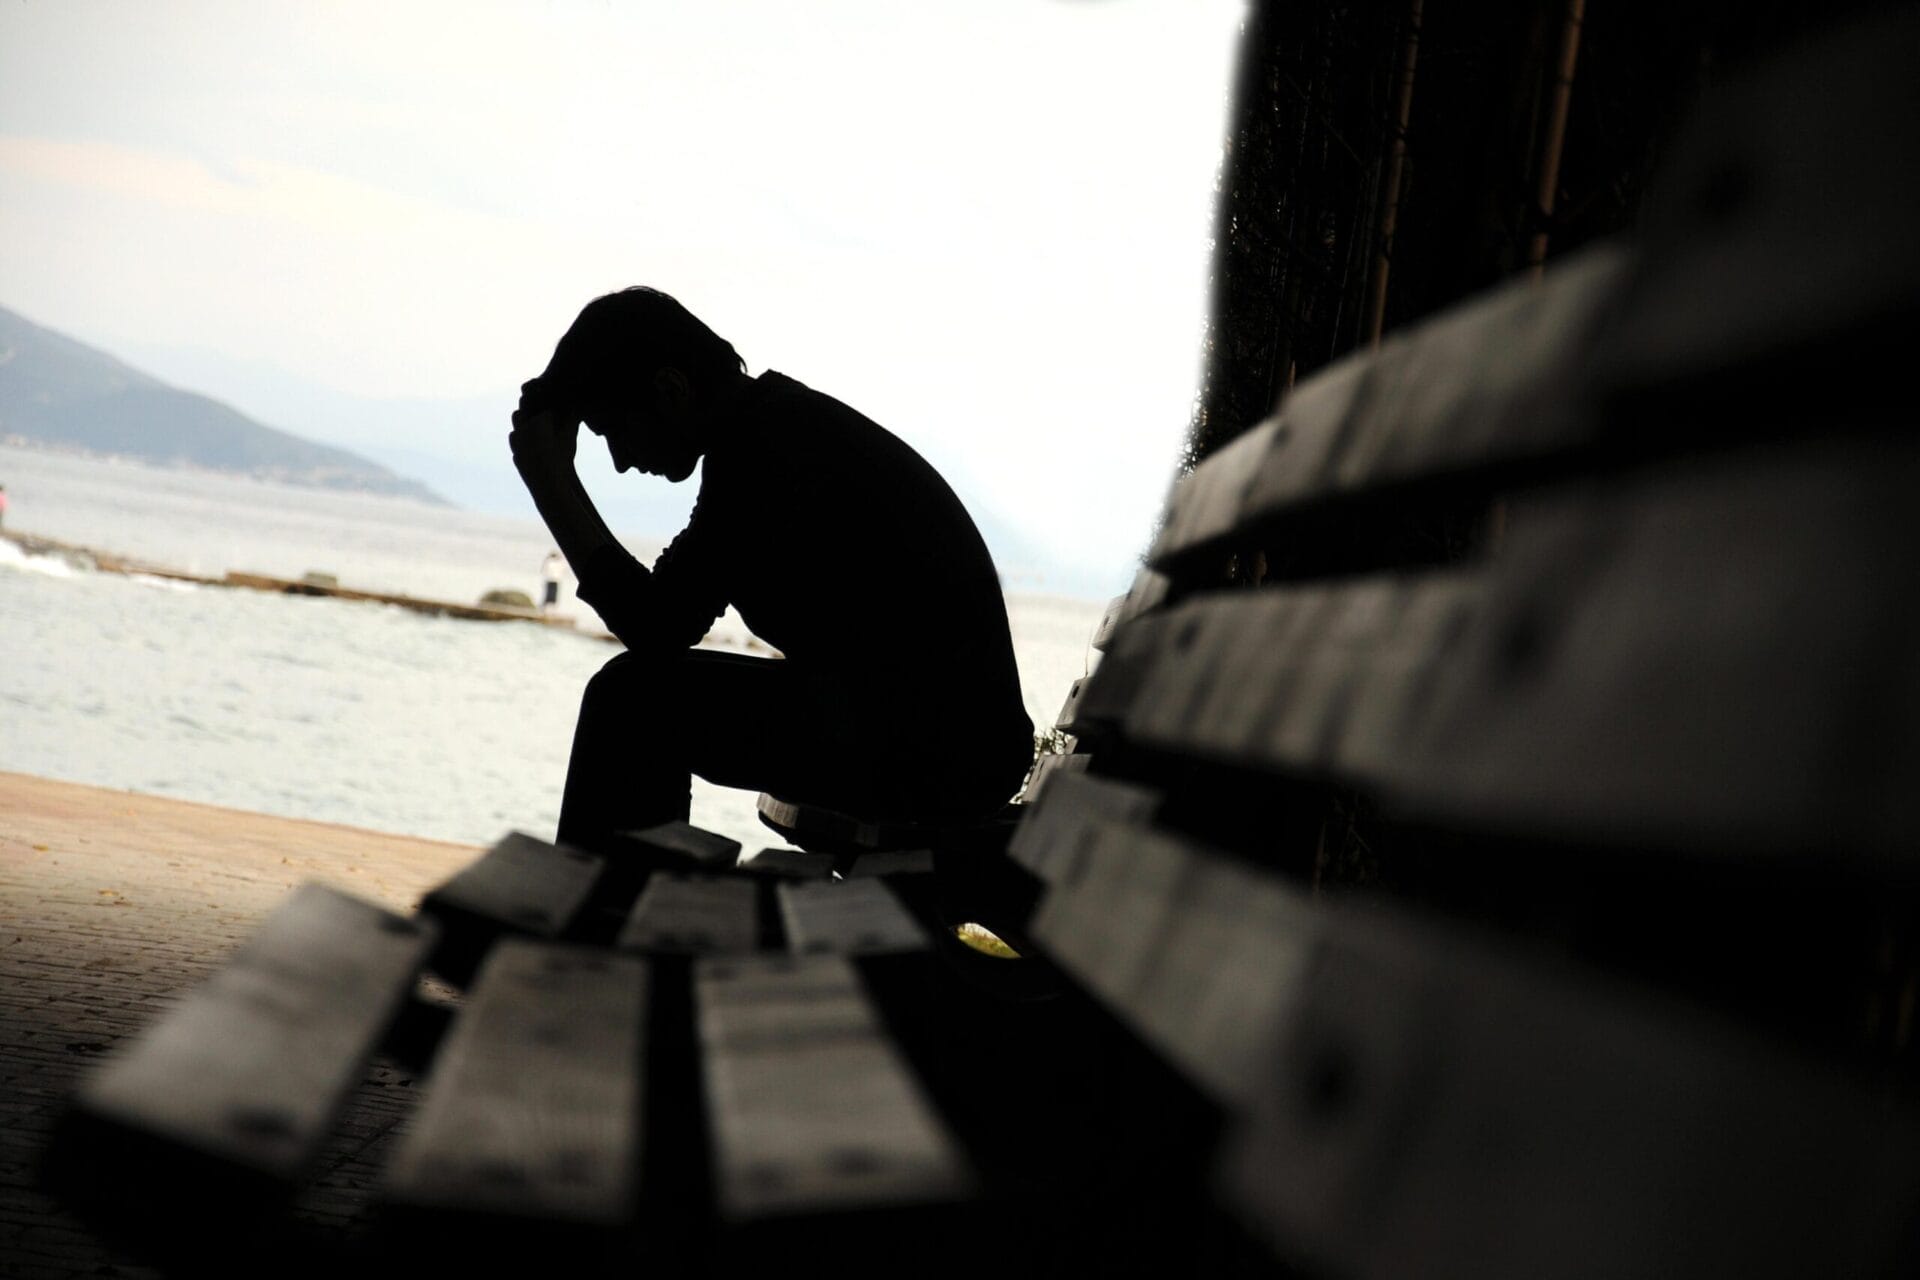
[(1496, 791)]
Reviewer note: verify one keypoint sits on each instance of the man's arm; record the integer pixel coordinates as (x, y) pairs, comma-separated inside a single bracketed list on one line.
[(543, 442), (642, 612)]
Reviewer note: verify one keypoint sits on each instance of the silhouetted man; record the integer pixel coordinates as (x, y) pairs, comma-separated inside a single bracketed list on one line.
[(897, 696)]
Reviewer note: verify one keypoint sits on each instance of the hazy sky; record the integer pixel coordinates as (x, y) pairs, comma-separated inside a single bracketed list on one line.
[(984, 223)]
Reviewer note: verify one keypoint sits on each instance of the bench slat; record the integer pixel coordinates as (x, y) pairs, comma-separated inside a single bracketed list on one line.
[(1812, 161), (1051, 763), (790, 862), (1724, 656), (894, 862), (854, 917), (1045, 840), (1434, 1107), (813, 1109), (1407, 1099), (251, 1066), (1669, 658), (1489, 384), (533, 1107), (686, 842), (521, 885), (1192, 952), (687, 914)]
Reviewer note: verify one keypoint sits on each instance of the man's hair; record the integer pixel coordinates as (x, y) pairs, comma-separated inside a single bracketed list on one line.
[(619, 340)]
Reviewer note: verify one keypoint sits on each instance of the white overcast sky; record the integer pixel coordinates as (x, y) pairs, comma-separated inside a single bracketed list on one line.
[(984, 223)]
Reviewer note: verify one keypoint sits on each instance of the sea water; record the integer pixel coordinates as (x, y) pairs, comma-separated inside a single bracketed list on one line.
[(333, 710)]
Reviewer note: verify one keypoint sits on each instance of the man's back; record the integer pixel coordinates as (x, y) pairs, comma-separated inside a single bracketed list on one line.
[(844, 549)]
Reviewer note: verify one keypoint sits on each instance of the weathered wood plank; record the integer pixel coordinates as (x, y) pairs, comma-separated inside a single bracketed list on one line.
[(1406, 1098), (1193, 952), (1432, 1106), (687, 843), (1052, 763), (1049, 831), (248, 1070), (1720, 656), (813, 1110), (894, 862), (1491, 383), (1097, 703), (1656, 659), (522, 885), (686, 914), (789, 862), (854, 917), (533, 1110), (1109, 620), (1206, 503), (1813, 160)]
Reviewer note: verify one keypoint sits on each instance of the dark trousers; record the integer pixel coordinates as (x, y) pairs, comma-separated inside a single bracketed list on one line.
[(648, 722)]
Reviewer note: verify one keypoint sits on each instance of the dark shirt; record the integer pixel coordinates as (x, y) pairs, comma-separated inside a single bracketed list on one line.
[(845, 550)]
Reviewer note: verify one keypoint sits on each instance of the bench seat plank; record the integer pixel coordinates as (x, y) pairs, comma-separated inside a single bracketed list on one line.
[(797, 863), (521, 885), (813, 1109), (689, 914), (533, 1106), (249, 1069), (682, 841), (852, 917)]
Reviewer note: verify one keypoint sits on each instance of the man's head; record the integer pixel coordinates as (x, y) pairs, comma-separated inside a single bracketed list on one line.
[(643, 372)]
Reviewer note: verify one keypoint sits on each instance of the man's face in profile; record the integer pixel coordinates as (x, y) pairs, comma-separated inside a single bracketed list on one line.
[(653, 442)]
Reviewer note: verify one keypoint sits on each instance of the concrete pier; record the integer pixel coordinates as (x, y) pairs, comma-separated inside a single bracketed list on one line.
[(111, 904)]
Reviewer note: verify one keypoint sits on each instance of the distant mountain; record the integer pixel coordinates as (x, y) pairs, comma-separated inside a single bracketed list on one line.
[(55, 390)]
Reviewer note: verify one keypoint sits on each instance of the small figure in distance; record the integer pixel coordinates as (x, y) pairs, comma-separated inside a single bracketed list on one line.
[(896, 697), (550, 570), (3, 506)]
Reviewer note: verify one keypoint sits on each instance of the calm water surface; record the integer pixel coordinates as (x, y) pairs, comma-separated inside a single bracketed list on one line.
[(337, 711)]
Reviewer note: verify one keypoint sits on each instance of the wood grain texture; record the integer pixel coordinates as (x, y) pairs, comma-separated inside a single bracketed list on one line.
[(1050, 764), (852, 917), (1433, 1105), (1407, 1098), (1813, 160), (681, 913), (1048, 835), (250, 1067), (1720, 656), (1711, 655), (683, 840), (796, 863), (521, 885), (813, 1110), (1492, 383), (533, 1106)]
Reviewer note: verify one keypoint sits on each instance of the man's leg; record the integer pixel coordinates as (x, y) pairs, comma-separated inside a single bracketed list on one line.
[(647, 723)]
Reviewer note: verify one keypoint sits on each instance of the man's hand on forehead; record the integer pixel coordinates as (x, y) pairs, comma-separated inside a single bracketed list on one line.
[(543, 437)]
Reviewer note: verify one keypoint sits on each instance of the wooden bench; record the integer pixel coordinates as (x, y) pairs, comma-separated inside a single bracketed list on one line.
[(1487, 848)]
